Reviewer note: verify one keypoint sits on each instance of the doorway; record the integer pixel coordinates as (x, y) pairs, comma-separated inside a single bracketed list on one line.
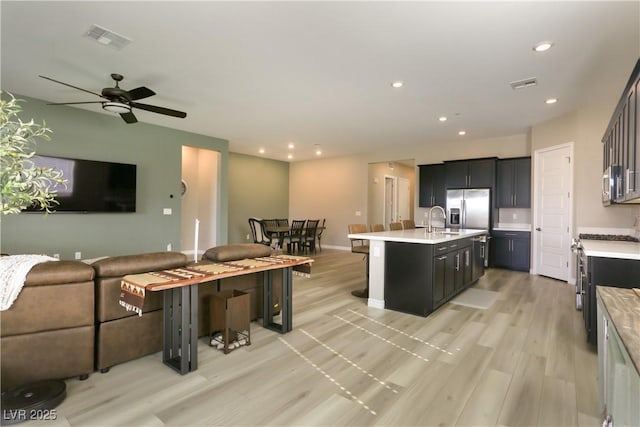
[(390, 205), (553, 211), (199, 203), (391, 191)]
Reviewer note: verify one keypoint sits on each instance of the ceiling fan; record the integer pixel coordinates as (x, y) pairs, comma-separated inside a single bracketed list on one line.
[(121, 101)]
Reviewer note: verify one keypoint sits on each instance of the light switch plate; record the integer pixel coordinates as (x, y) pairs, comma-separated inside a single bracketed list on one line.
[(166, 211)]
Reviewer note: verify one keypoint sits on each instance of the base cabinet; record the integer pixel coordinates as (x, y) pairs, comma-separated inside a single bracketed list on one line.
[(419, 277), (512, 250), (619, 381)]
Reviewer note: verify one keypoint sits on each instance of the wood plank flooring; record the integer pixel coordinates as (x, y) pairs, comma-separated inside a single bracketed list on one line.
[(522, 362)]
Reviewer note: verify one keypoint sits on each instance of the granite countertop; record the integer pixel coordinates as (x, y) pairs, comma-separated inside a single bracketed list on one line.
[(419, 235), (623, 307), (609, 249)]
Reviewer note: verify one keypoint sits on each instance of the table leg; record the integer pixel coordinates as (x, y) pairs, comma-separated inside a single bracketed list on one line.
[(286, 303), (180, 328)]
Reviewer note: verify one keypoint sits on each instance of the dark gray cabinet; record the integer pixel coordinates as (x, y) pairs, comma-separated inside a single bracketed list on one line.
[(477, 173), (421, 277), (512, 250), (432, 189), (621, 147), (513, 183)]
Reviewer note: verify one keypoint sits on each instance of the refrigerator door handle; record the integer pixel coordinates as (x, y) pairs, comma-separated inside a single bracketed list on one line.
[(463, 214)]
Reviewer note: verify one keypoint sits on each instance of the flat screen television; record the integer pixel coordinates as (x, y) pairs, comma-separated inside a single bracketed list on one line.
[(92, 186)]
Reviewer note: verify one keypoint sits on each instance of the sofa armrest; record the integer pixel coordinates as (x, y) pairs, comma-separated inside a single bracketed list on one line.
[(237, 251)]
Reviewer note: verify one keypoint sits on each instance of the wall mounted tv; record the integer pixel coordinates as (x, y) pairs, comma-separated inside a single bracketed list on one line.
[(92, 186)]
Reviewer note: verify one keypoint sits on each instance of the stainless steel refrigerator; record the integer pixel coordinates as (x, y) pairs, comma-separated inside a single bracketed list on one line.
[(468, 208)]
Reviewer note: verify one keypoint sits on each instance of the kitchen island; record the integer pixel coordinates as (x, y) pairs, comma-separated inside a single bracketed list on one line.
[(415, 271)]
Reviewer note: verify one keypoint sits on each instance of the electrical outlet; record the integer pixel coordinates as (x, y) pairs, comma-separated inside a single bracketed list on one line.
[(169, 247), (248, 236), (515, 216), (78, 255), (358, 213)]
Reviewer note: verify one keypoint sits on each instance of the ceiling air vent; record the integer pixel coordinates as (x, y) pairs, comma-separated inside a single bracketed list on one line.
[(107, 37), (523, 84)]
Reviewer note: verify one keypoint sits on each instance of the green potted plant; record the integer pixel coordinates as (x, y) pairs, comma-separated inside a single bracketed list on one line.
[(21, 183)]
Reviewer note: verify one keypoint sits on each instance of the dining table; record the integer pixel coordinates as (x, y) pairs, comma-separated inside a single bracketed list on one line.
[(282, 231)]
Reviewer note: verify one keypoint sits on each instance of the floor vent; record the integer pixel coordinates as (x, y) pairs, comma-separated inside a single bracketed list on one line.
[(107, 37)]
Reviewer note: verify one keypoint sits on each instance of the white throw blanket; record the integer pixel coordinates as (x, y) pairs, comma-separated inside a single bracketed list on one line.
[(13, 272)]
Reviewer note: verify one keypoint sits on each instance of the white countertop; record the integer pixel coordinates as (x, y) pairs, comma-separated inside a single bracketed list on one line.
[(523, 227), (418, 235), (609, 249)]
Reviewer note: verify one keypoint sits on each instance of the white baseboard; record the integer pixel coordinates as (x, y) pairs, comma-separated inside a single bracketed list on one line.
[(341, 248), (375, 303)]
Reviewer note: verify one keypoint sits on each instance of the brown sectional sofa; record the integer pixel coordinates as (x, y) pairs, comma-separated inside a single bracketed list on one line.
[(123, 335), (48, 332), (67, 321)]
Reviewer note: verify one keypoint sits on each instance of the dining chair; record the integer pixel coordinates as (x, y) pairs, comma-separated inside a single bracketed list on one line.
[(309, 236), (360, 246), (283, 222), (377, 227), (271, 223), (320, 231), (258, 231), (295, 236), (408, 223), (395, 226)]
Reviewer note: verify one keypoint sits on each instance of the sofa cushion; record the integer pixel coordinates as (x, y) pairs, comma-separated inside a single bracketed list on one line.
[(237, 251), (58, 273), (141, 263)]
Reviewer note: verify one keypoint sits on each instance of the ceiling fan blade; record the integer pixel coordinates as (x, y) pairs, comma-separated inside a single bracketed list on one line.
[(72, 103), (75, 87), (140, 92), (128, 117), (159, 110)]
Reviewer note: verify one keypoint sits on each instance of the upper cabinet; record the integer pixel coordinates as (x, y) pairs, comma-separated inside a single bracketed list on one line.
[(477, 173), (513, 183), (621, 147), (432, 191)]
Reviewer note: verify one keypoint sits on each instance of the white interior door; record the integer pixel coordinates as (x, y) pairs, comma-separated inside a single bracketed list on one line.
[(553, 191), (404, 191), (390, 207)]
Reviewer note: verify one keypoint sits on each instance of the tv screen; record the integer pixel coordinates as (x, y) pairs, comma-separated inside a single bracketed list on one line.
[(92, 186)]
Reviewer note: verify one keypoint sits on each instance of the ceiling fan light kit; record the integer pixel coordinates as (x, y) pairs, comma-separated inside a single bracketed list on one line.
[(116, 107), (120, 101)]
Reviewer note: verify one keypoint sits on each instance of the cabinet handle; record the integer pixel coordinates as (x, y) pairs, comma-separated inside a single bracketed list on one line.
[(482, 251), (457, 262), (466, 258), (628, 182), (515, 199), (441, 258)]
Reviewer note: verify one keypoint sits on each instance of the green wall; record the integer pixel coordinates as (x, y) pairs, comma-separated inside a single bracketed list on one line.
[(154, 149), (257, 187)]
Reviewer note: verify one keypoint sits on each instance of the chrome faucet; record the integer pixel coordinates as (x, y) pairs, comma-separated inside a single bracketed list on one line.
[(444, 216)]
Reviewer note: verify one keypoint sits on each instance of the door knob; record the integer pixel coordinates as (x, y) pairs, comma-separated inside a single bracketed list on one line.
[(538, 229)]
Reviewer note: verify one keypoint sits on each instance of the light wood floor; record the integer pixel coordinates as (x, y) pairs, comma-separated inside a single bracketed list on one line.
[(523, 362)]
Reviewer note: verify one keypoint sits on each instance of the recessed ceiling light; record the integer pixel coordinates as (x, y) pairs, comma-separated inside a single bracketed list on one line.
[(462, 132), (290, 156), (291, 145), (397, 84), (318, 150), (261, 151), (442, 118), (543, 46), (551, 100)]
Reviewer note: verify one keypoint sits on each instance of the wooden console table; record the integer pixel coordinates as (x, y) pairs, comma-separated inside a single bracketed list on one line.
[(180, 301)]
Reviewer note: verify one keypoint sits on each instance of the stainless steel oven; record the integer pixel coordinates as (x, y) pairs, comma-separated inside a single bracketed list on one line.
[(581, 272)]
